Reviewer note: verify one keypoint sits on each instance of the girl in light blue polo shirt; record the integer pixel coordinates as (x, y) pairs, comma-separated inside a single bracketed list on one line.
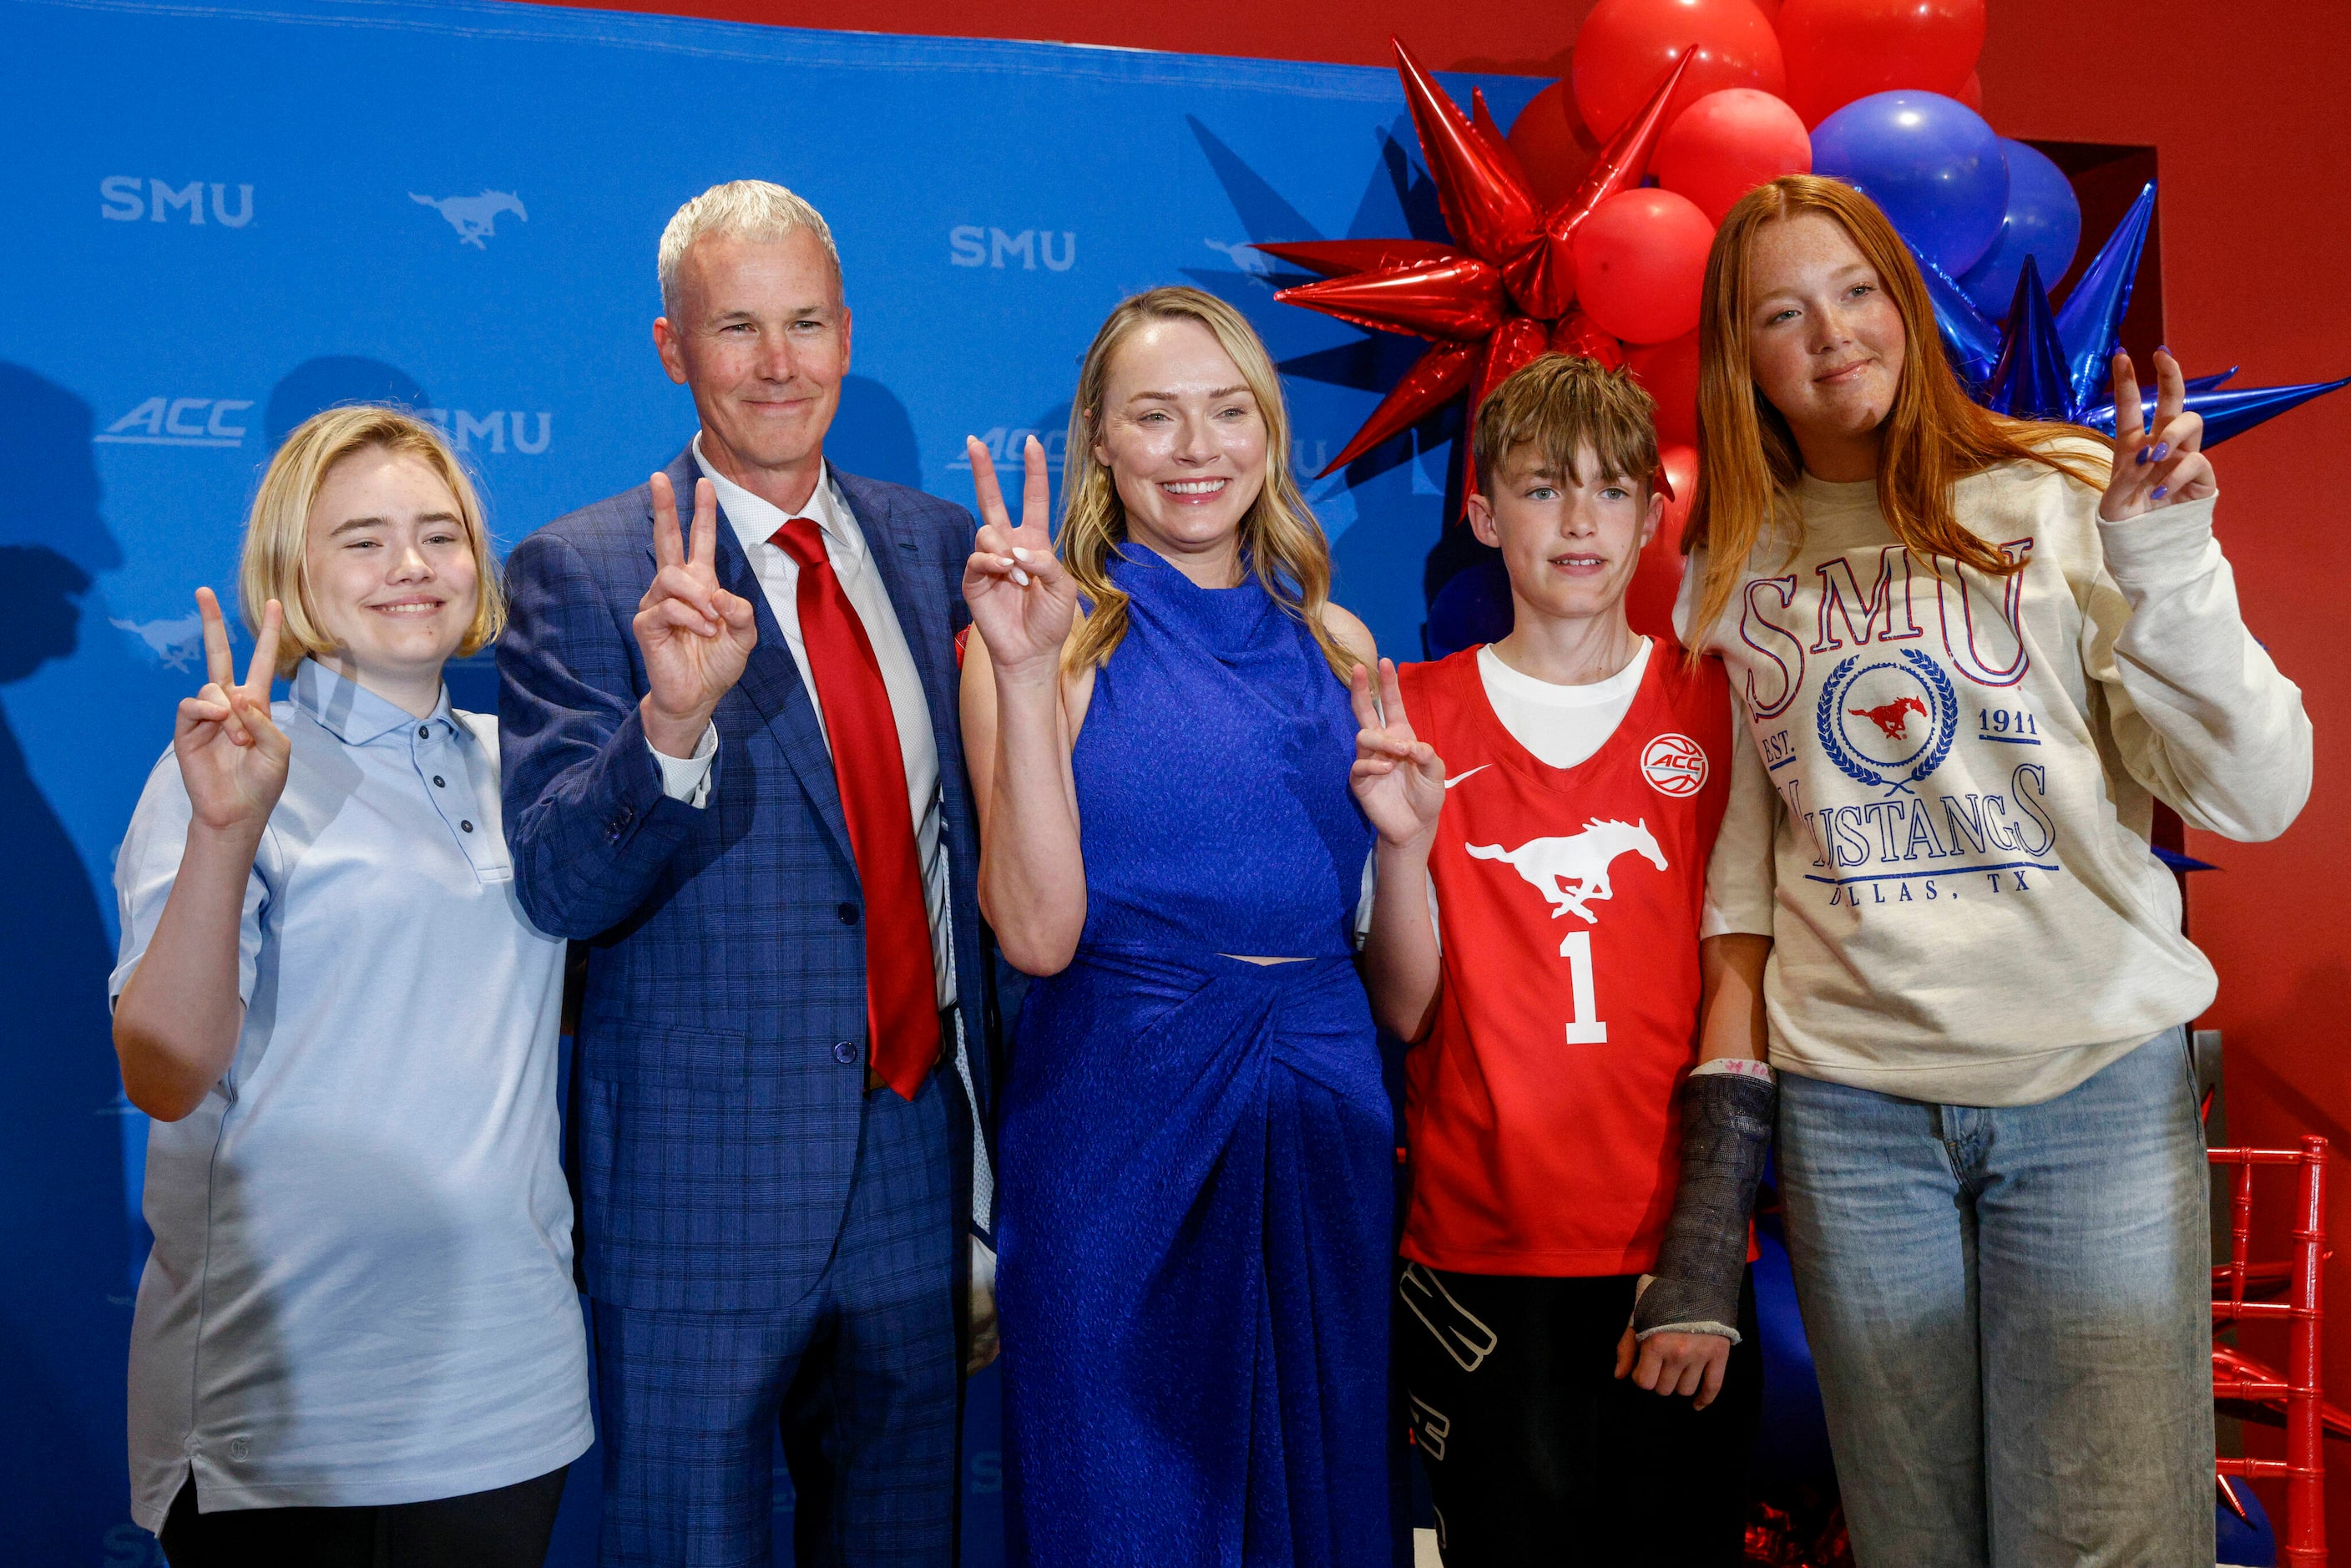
[(356, 1339)]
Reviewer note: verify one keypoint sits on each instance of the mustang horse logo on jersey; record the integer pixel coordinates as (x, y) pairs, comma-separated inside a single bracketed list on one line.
[(1550, 865)]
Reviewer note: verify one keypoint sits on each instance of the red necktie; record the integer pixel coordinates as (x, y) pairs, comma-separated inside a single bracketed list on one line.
[(902, 1011)]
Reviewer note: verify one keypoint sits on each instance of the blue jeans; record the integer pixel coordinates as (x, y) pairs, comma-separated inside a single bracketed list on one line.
[(2009, 1310)]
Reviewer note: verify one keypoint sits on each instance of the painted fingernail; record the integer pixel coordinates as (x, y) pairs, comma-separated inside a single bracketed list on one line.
[(2162, 450), (2161, 349), (2141, 458), (1022, 555), (2160, 491), (1020, 577)]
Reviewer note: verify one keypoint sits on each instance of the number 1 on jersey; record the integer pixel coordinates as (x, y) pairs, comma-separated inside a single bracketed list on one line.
[(1583, 1028)]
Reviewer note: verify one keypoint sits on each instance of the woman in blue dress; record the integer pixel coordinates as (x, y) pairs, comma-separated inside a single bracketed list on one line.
[(1196, 1154)]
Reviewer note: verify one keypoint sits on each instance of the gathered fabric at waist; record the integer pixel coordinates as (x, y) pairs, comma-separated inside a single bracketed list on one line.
[(1124, 1015)]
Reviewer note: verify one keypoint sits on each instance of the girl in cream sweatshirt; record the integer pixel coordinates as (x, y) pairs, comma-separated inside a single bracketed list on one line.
[(1971, 653)]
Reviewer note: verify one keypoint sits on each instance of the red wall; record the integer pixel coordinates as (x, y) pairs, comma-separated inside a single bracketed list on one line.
[(2243, 106)]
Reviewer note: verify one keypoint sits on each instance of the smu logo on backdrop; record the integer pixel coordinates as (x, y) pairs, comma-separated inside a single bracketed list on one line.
[(968, 245), (470, 432), (181, 421), (127, 198)]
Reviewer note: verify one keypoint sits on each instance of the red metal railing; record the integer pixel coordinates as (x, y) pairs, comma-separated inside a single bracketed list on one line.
[(2302, 1542)]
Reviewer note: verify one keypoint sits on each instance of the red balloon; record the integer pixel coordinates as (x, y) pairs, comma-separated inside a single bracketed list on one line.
[(1839, 50), (1640, 265), (1657, 580), (1626, 46), (1971, 91), (1771, 10), (1728, 142), (1669, 373), (1553, 146)]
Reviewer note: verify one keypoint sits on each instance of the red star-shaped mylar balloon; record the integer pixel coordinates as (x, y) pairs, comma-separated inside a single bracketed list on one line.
[(1503, 292)]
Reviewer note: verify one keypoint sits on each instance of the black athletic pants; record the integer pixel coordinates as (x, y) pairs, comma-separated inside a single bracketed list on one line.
[(507, 1528), (1538, 1456)]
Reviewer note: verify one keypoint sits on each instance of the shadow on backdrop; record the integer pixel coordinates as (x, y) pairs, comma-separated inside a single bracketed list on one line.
[(65, 1313), (872, 436), (316, 385)]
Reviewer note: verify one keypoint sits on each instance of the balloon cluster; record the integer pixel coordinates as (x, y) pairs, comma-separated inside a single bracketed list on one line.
[(1585, 228)]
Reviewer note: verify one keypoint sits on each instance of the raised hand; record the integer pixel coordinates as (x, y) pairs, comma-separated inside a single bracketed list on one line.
[(2155, 466), (1021, 599), (232, 755), (1398, 777), (695, 635)]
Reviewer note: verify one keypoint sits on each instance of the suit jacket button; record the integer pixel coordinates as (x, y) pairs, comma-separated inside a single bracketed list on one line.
[(844, 1052), (848, 913)]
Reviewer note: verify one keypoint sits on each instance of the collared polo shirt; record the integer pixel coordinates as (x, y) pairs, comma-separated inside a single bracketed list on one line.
[(360, 1291)]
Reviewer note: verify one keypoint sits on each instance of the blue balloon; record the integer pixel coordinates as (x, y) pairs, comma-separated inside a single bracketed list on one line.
[(2248, 1542), (2044, 222), (1931, 163)]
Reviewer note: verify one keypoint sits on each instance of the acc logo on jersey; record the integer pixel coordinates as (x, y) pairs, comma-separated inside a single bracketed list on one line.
[(1889, 721), (1674, 765)]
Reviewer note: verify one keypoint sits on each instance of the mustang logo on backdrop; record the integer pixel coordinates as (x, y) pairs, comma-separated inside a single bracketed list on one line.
[(175, 644), (476, 218)]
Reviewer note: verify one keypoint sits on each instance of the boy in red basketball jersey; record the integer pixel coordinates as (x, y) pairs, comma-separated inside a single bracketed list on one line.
[(1585, 1112)]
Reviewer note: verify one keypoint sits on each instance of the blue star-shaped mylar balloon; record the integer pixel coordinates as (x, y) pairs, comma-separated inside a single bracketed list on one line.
[(2042, 363)]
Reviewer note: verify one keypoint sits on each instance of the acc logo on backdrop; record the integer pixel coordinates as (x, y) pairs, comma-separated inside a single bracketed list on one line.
[(476, 218), (1006, 443), (127, 198), (1888, 722), (1674, 765), (968, 245), (180, 422)]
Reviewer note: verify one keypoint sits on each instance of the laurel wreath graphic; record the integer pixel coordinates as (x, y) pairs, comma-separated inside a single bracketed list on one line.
[(1947, 705)]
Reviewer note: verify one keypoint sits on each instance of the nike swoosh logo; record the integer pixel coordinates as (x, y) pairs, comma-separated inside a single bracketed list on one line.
[(1457, 778)]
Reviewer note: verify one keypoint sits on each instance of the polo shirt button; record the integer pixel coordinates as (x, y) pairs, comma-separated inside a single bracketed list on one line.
[(438, 783), (844, 1052), (467, 826), (424, 732), (848, 914)]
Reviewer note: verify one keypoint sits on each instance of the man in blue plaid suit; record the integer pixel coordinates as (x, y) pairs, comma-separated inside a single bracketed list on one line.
[(773, 1237)]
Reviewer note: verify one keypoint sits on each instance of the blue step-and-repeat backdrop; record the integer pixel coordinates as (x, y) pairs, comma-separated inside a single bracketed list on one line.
[(229, 217)]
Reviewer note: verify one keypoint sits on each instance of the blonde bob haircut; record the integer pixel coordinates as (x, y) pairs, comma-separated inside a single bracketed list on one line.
[(1933, 436), (1279, 536), (276, 535)]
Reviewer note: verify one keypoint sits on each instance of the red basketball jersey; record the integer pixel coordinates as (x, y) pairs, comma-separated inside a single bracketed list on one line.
[(1540, 1110)]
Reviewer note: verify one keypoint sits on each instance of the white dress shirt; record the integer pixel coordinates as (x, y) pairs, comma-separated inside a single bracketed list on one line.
[(755, 522)]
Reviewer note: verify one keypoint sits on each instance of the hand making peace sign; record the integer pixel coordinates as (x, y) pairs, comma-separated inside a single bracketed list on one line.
[(1398, 777), (232, 755), (2159, 467), (695, 635), (1021, 599)]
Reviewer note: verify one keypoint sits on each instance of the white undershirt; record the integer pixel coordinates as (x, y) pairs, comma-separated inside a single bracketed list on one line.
[(1560, 725)]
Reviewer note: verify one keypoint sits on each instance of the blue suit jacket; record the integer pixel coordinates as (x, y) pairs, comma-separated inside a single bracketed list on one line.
[(715, 1117)]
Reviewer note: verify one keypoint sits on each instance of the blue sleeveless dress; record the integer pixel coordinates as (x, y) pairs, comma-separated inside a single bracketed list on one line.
[(1196, 1154)]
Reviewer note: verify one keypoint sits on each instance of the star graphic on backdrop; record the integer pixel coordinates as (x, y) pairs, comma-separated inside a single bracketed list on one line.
[(2044, 363), (1503, 291)]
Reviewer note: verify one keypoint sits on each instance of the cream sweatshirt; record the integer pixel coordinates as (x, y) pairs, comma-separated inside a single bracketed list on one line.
[(1943, 820)]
